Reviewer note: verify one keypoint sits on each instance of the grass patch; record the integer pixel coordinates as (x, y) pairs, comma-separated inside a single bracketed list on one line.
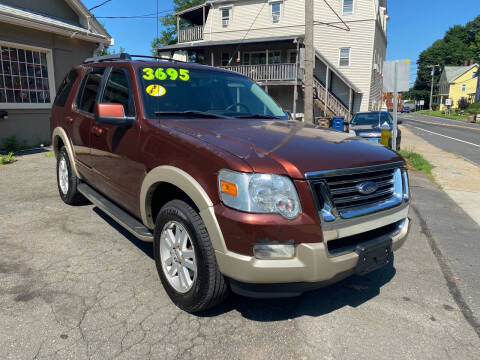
[(417, 162), (50, 154), (7, 159), (452, 115)]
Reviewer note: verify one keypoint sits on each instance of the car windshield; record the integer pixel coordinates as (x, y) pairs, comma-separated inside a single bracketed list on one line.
[(185, 92), (375, 118)]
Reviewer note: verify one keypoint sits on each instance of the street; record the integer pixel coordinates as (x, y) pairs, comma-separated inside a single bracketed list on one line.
[(74, 284), (453, 136)]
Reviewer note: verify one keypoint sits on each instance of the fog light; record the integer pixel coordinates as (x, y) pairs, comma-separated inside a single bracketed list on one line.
[(274, 251)]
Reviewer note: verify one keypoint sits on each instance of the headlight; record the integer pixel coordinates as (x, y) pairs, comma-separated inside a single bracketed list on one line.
[(259, 193)]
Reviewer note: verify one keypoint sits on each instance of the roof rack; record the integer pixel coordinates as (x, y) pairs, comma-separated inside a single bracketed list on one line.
[(125, 56), (113, 57)]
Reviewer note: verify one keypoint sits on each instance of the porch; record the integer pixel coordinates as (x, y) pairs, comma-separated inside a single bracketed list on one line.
[(277, 65), (191, 22)]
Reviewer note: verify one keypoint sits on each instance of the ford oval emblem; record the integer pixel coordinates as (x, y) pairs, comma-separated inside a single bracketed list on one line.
[(367, 187)]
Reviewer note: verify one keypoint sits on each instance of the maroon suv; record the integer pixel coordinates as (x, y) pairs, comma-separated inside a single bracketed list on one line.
[(233, 194)]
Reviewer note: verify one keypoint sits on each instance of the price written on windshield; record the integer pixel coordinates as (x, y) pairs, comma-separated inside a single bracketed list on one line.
[(165, 74)]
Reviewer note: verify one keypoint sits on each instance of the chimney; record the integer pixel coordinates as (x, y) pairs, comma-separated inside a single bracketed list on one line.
[(471, 61), (465, 63)]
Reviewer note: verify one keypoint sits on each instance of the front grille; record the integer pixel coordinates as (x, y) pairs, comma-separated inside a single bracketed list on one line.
[(345, 194), (348, 193)]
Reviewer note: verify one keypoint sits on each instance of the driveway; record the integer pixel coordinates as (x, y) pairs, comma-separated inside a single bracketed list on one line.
[(74, 285)]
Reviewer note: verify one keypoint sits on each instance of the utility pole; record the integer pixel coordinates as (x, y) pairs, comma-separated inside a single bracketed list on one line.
[(395, 109), (308, 79), (433, 67)]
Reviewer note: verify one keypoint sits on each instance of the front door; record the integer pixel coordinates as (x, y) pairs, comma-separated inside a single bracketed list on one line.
[(82, 119), (114, 149)]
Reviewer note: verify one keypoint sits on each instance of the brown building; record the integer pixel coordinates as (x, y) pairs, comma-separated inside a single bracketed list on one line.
[(388, 100)]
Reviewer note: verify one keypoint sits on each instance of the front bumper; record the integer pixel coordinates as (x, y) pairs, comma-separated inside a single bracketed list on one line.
[(312, 267)]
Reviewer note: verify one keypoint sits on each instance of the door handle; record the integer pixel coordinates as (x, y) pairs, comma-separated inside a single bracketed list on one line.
[(97, 130), (69, 119)]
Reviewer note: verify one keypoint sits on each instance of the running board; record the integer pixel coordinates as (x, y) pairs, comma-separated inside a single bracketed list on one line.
[(122, 217)]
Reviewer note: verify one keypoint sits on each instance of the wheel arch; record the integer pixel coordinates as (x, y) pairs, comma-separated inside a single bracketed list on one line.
[(59, 139), (191, 188)]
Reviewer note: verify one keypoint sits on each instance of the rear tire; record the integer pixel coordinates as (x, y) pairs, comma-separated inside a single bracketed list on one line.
[(67, 181), (201, 286)]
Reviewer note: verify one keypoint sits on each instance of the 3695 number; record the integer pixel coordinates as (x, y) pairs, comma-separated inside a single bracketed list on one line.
[(164, 74)]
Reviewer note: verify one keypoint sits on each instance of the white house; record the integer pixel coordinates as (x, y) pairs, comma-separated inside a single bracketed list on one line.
[(260, 38)]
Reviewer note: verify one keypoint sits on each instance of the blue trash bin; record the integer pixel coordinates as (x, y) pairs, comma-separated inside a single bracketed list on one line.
[(337, 123)]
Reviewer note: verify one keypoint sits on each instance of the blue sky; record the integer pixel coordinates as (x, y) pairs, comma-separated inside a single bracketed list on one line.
[(413, 25)]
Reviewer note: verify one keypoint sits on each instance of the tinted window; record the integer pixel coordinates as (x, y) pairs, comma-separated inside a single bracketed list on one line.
[(221, 93), (65, 88), (118, 91), (90, 90), (372, 118)]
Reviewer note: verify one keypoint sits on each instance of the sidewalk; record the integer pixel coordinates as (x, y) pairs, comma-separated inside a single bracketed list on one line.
[(459, 178)]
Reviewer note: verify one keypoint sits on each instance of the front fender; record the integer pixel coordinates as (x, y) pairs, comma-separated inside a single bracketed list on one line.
[(188, 184)]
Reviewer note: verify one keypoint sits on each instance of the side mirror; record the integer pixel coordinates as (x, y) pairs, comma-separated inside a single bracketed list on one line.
[(113, 114)]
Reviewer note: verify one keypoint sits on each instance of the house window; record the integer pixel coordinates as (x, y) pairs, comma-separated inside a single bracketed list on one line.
[(225, 16), (276, 11), (344, 57), (225, 58), (26, 77), (464, 87), (274, 57), (474, 75), (292, 56), (347, 7)]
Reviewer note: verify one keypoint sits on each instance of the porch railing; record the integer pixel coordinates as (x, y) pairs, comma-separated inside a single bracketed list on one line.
[(264, 72), (193, 33)]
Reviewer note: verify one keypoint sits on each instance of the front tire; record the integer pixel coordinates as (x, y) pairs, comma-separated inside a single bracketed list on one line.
[(185, 259), (67, 181)]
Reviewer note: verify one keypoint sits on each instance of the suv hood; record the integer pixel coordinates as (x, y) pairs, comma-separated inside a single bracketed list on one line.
[(285, 147)]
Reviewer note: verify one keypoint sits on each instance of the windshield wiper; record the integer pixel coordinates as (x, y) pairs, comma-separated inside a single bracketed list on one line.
[(257, 116), (191, 112)]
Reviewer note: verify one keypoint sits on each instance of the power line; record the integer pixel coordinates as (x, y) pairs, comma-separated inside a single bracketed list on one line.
[(151, 15), (250, 28), (101, 4)]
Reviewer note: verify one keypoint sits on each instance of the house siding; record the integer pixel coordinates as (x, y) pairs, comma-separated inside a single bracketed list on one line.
[(56, 8), (31, 127), (364, 36)]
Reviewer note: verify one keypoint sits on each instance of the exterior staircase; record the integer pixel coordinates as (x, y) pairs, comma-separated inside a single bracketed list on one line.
[(326, 101)]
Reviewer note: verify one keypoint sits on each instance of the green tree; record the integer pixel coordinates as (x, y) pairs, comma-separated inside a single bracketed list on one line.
[(169, 23), (108, 51), (459, 44)]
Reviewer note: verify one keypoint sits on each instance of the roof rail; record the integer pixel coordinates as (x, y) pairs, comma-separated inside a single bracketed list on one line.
[(125, 56), (157, 58), (113, 57)]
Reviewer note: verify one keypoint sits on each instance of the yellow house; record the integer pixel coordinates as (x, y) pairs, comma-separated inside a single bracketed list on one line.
[(457, 82)]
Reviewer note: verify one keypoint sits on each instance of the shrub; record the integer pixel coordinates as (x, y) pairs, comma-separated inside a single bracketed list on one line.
[(474, 109), (463, 103), (7, 159), (10, 144)]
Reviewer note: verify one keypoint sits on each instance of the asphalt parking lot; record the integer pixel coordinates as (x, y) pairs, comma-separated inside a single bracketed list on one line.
[(75, 285)]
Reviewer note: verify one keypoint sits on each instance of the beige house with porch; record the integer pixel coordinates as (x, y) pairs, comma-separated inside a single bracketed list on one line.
[(263, 39)]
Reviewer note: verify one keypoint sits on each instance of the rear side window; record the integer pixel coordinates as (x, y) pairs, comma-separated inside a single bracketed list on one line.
[(118, 91), (65, 88), (91, 85)]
